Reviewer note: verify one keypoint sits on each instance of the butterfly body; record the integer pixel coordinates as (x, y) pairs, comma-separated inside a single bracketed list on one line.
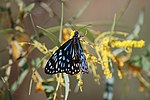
[(69, 58)]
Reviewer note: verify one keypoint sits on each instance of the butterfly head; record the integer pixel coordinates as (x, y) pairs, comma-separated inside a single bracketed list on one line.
[(76, 34)]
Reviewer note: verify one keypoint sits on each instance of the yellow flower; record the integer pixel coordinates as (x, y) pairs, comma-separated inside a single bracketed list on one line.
[(39, 87), (66, 35), (97, 79), (121, 64), (18, 28), (91, 57), (109, 75), (139, 44), (128, 43), (119, 74), (80, 82), (112, 57), (104, 60), (98, 48), (141, 88), (105, 55), (106, 71), (59, 79), (17, 50), (105, 40), (40, 47), (72, 34)]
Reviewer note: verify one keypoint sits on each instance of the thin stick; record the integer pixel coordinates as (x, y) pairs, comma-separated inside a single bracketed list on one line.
[(61, 24)]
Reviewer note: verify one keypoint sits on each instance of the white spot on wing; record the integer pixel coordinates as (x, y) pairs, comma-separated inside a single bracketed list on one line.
[(49, 63), (72, 67), (56, 65), (51, 67)]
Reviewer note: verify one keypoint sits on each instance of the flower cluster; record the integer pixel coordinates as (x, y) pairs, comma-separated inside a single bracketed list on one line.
[(103, 45), (39, 87), (105, 52), (128, 43), (90, 57), (65, 34), (80, 82)]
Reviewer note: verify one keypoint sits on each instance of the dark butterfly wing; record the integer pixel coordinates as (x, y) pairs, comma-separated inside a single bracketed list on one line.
[(64, 60), (83, 64)]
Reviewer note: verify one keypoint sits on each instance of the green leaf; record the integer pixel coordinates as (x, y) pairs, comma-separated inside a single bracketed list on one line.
[(89, 35), (49, 90), (3, 31), (41, 60), (50, 35), (113, 24), (17, 83), (35, 62), (67, 85), (135, 58), (54, 29), (145, 63), (28, 8), (148, 51), (137, 63), (140, 61)]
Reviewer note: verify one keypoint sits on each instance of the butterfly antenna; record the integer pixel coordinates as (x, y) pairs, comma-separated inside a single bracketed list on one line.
[(73, 26), (84, 27)]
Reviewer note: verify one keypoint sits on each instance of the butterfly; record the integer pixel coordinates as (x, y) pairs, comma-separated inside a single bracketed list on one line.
[(69, 58)]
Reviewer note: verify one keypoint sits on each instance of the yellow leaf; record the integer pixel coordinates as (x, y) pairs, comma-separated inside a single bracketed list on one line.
[(16, 50)]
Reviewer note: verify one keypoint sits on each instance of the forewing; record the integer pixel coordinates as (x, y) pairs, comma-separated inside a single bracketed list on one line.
[(63, 60)]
